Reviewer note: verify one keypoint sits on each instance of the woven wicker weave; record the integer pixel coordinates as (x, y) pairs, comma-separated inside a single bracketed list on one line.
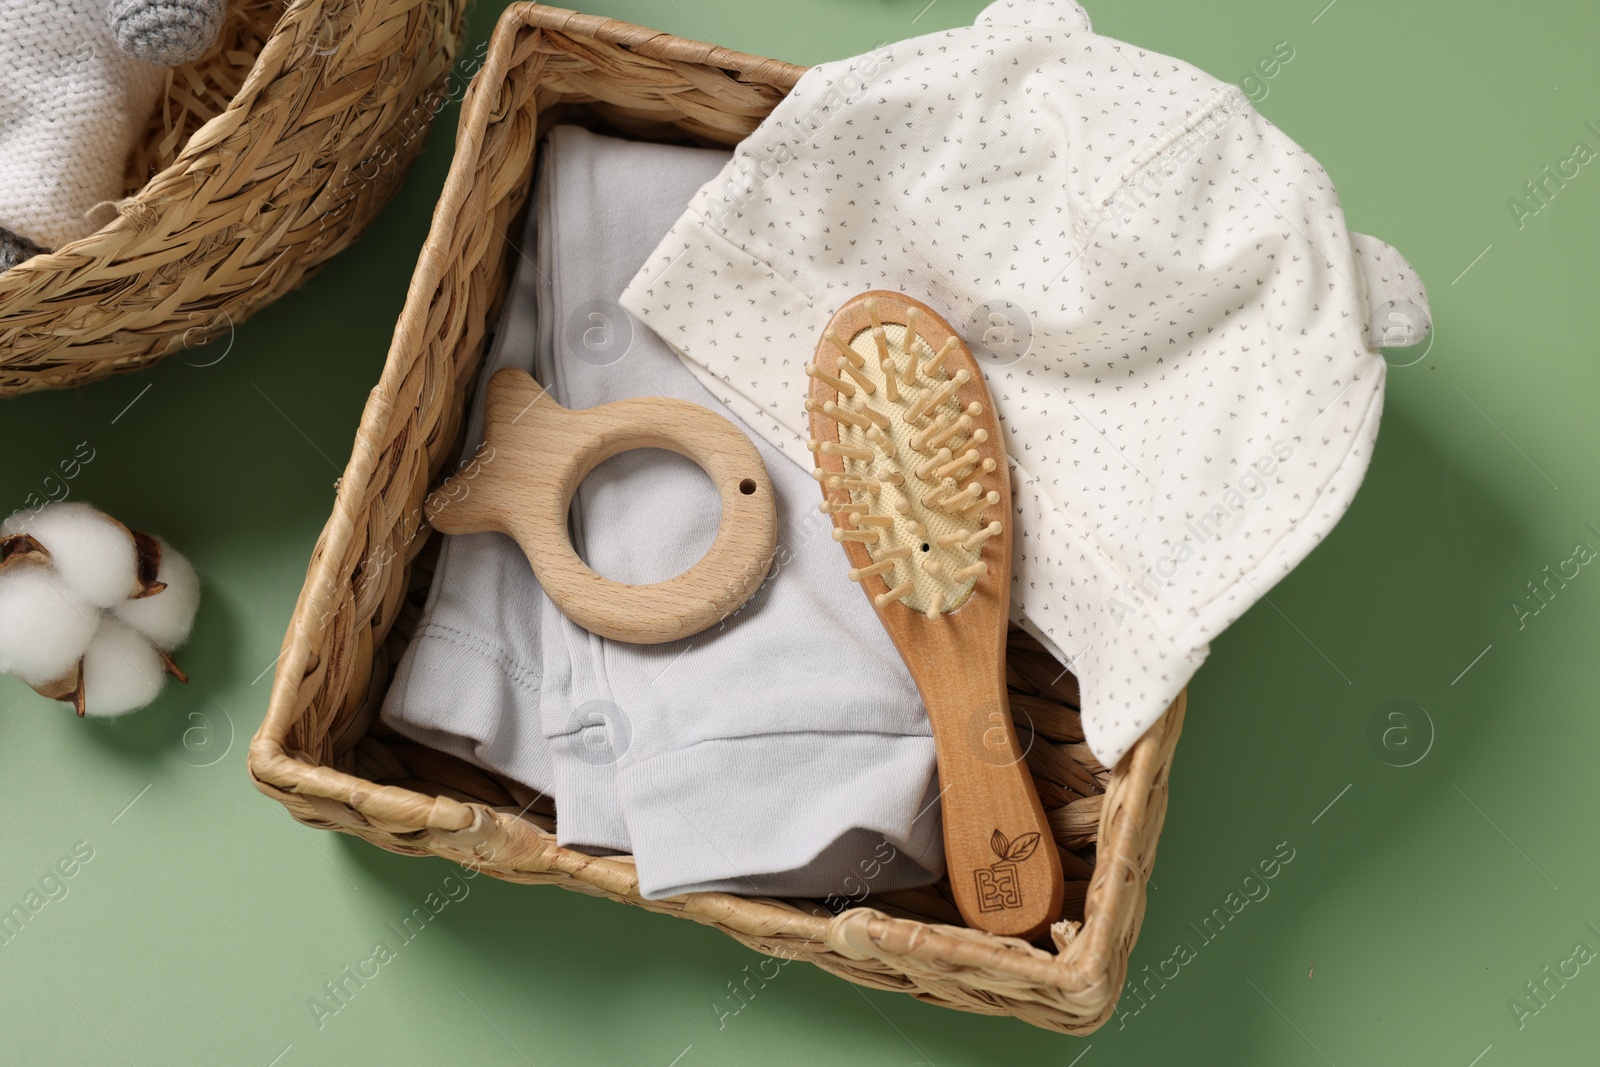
[(322, 753), (269, 154)]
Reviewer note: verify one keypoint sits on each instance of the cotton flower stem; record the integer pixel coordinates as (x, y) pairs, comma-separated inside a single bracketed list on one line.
[(171, 667)]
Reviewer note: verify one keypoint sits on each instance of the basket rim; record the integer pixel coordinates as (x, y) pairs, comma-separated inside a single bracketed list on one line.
[(651, 43), (256, 197), (1090, 966)]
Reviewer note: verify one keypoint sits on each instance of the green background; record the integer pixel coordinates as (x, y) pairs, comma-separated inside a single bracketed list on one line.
[(1417, 905)]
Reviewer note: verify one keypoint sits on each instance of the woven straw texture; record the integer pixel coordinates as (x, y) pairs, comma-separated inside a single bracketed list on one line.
[(267, 156), (321, 751)]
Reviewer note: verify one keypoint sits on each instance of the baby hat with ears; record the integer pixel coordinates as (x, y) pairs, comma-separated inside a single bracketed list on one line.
[(1180, 333)]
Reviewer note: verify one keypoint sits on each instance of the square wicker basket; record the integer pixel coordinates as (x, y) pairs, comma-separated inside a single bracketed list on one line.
[(321, 750)]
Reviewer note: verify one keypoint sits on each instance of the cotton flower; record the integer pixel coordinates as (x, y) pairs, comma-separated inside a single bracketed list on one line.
[(91, 611), (165, 618), (44, 628), (92, 552), (122, 670)]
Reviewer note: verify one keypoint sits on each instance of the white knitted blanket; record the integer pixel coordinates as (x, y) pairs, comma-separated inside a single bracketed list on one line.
[(71, 104)]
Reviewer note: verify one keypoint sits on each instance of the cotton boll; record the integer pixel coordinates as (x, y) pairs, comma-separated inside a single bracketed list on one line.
[(122, 671), (167, 617), (92, 552), (44, 626)]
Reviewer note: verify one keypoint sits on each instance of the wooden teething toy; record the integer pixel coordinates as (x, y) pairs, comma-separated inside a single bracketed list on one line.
[(536, 452)]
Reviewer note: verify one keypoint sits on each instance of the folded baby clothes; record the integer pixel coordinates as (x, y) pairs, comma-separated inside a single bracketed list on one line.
[(784, 751), (1180, 334)]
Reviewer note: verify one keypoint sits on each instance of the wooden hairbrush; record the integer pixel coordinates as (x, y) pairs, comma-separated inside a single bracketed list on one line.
[(912, 470)]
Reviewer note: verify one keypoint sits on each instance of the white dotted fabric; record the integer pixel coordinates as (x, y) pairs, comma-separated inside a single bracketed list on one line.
[(1200, 395)]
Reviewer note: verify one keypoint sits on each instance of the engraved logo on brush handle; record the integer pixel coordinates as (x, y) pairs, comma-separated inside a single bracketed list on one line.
[(999, 887)]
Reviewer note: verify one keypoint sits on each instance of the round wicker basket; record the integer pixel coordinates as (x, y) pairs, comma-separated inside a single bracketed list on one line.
[(270, 153)]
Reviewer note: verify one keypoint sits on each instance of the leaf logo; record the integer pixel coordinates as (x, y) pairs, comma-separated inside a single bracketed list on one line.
[(1013, 851)]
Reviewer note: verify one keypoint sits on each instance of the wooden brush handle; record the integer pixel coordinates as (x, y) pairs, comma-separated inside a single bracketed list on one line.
[(535, 454), (1000, 855)]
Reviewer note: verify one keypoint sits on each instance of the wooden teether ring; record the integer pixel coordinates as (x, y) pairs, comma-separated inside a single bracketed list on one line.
[(534, 456)]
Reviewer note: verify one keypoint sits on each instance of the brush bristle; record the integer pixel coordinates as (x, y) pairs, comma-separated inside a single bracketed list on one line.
[(912, 462)]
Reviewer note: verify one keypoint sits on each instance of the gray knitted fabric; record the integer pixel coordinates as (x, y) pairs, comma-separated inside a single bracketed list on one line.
[(165, 32), (14, 248)]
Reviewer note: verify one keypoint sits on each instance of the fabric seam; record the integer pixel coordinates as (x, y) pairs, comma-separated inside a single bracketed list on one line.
[(1230, 100), (508, 664), (1294, 527)]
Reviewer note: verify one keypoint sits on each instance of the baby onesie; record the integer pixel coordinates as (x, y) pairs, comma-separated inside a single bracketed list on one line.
[(784, 751), (1180, 333)]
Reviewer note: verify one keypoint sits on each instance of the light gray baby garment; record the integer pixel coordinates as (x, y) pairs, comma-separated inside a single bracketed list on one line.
[(783, 752)]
